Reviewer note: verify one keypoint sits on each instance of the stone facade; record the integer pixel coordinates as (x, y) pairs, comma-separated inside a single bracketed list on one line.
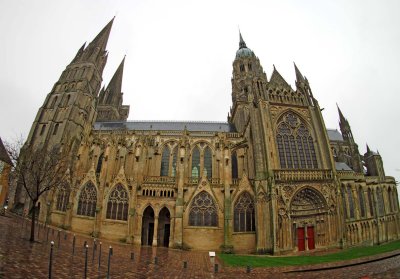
[(272, 179)]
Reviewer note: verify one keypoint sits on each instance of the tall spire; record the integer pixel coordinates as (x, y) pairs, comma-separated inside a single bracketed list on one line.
[(299, 76), (368, 150), (113, 94), (342, 119), (102, 38), (242, 44)]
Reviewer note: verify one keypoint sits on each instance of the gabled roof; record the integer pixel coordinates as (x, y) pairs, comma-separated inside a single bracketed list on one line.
[(334, 135), (191, 126), (3, 154), (278, 80)]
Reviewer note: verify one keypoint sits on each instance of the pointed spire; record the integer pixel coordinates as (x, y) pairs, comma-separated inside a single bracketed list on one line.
[(102, 38), (368, 150), (341, 116), (114, 94), (242, 44), (299, 76)]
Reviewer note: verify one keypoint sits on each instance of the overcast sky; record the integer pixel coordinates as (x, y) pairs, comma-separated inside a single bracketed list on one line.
[(180, 54)]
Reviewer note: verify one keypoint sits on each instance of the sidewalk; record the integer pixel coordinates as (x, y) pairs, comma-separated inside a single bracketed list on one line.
[(21, 259)]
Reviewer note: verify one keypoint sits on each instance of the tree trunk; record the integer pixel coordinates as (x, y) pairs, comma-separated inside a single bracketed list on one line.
[(32, 238)]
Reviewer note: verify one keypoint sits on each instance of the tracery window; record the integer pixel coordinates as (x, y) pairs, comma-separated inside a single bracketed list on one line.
[(195, 162), (174, 156), (351, 201), (381, 206), (62, 198), (371, 204), (99, 163), (165, 162), (343, 193), (295, 144), (390, 200), (244, 219), (361, 201), (118, 203), (208, 161), (87, 200), (203, 211), (234, 166)]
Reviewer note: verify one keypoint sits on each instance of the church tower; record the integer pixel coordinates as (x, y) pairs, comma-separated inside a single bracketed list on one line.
[(352, 157), (69, 110), (110, 106)]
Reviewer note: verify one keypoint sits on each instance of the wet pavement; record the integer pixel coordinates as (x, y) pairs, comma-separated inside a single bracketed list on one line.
[(21, 259)]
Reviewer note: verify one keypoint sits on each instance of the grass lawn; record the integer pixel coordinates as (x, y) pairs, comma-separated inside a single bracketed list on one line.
[(270, 261)]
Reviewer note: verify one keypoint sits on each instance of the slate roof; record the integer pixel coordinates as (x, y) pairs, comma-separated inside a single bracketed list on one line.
[(3, 154), (342, 166), (191, 126), (334, 134)]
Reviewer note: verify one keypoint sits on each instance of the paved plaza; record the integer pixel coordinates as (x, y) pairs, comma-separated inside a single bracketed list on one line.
[(21, 259)]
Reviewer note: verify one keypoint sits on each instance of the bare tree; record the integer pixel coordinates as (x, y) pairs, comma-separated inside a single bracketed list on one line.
[(38, 170)]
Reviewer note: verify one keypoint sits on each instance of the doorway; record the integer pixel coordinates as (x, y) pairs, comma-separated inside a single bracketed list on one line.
[(310, 238), (148, 226), (164, 227), (301, 240)]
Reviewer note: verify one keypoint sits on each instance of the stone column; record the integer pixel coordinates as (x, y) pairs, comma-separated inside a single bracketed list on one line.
[(227, 202), (137, 238), (155, 234), (178, 225)]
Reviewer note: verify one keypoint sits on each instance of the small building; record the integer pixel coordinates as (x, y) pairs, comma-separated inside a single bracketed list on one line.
[(5, 168)]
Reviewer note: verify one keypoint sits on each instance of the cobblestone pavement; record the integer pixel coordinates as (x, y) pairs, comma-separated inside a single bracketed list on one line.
[(21, 259)]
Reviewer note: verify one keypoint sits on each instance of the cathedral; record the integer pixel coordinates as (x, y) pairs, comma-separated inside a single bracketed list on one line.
[(271, 179)]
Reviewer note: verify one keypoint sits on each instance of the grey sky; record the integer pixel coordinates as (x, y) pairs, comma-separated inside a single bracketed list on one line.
[(180, 54)]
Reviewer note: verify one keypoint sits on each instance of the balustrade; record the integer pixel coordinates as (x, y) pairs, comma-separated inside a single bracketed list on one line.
[(302, 175)]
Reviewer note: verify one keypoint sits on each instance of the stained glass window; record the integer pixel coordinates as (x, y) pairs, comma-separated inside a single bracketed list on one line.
[(295, 144), (87, 200), (208, 161), (361, 201), (351, 201), (195, 162), (234, 165), (371, 203), (244, 220), (165, 162), (203, 211), (118, 203)]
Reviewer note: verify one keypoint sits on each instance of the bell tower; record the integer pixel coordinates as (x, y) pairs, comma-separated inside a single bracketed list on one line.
[(69, 110)]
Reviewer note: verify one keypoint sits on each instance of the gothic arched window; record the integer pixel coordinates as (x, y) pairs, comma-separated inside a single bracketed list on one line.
[(165, 162), (361, 201), (208, 161), (351, 201), (62, 198), (390, 200), (99, 163), (118, 203), (295, 144), (244, 220), (235, 173), (371, 203), (87, 200), (203, 211), (195, 162), (174, 156), (381, 206), (343, 193)]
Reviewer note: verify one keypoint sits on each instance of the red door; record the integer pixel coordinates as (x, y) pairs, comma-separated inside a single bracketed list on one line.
[(310, 237), (300, 239)]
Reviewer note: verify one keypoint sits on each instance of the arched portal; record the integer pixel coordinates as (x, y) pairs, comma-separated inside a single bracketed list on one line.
[(164, 227), (148, 226), (308, 210)]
